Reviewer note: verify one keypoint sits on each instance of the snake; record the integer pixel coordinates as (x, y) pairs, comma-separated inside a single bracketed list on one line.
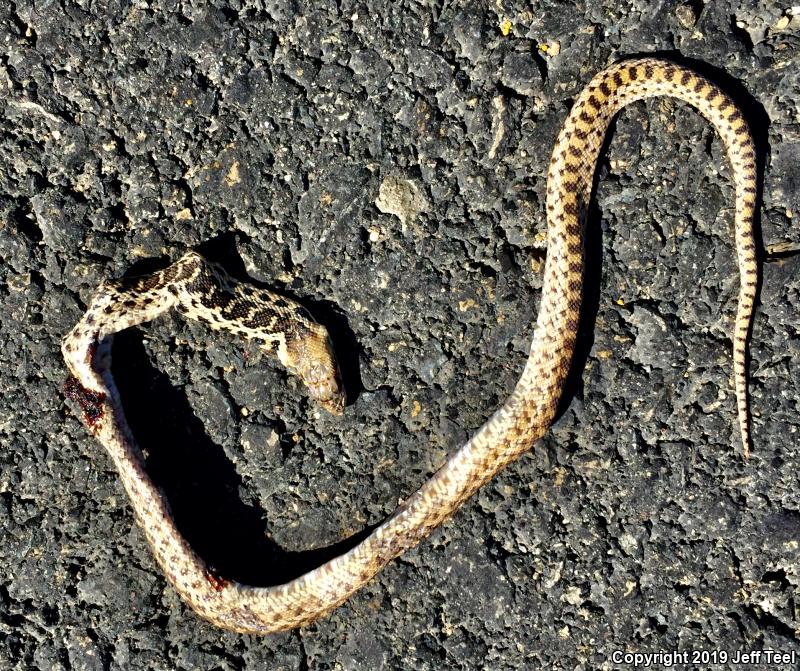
[(204, 291)]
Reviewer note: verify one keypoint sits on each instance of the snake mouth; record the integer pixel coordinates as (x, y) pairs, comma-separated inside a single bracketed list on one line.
[(334, 405), (327, 390)]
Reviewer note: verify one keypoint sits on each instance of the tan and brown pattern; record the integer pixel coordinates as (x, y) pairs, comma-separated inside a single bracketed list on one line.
[(204, 292)]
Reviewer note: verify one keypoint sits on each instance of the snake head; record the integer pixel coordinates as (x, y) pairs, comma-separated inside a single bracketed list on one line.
[(309, 355)]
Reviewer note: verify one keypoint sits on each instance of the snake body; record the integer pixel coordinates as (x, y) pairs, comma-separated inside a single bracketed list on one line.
[(202, 291)]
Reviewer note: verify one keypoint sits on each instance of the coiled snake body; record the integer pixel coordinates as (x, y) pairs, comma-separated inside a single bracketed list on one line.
[(204, 292)]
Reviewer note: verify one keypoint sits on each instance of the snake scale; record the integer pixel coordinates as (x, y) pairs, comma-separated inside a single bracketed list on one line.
[(203, 291)]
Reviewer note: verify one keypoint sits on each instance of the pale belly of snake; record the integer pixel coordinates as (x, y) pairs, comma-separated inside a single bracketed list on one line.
[(203, 291)]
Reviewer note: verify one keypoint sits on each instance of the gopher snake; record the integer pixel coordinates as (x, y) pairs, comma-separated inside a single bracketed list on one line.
[(204, 292)]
